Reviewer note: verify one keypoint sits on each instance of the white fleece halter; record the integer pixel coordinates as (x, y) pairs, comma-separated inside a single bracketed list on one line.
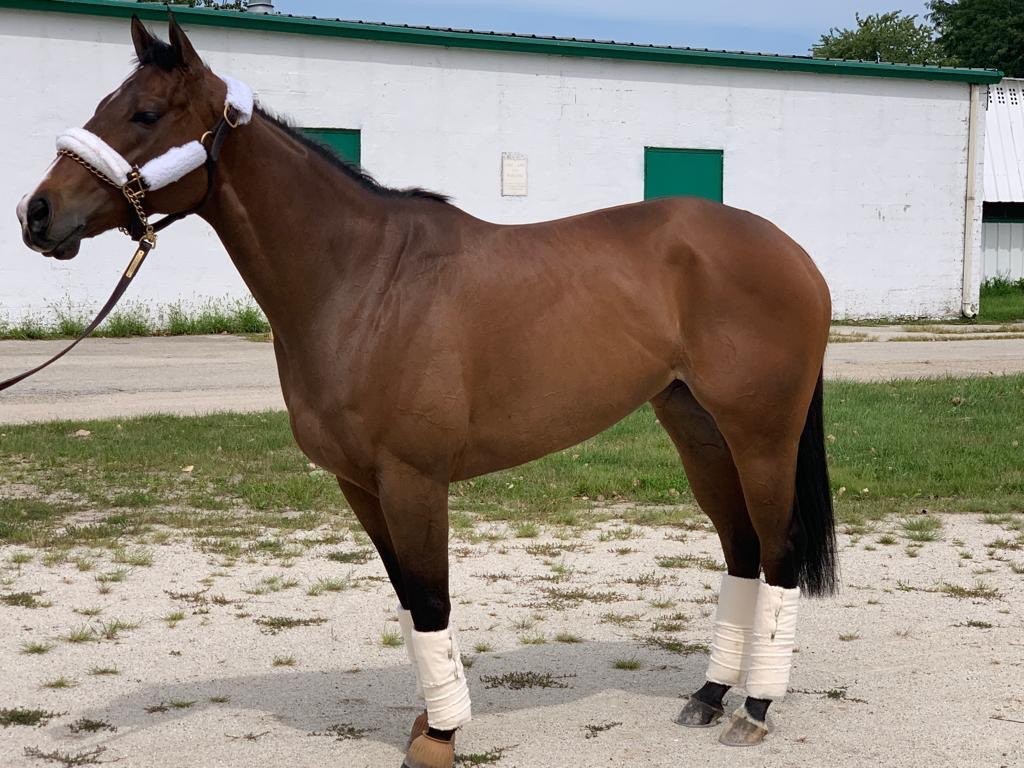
[(164, 169)]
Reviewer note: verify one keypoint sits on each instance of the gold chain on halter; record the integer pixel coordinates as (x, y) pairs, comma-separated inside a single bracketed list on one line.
[(134, 194)]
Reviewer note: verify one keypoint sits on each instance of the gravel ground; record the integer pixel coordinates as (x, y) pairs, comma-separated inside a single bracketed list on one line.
[(889, 673), (188, 375)]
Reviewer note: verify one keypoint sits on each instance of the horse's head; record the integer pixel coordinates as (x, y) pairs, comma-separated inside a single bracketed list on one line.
[(170, 100)]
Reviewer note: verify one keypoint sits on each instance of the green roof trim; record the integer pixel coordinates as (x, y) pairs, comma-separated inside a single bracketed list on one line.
[(513, 43)]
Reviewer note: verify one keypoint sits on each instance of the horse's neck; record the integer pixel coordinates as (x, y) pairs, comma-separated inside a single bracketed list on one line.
[(295, 227)]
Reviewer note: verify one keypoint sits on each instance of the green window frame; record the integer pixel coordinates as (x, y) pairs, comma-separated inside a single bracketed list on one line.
[(344, 142), (670, 171)]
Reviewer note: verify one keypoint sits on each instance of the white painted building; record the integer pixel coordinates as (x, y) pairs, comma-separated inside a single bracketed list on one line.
[(1003, 228), (875, 169)]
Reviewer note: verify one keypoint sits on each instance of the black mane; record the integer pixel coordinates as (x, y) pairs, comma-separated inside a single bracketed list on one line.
[(352, 171)]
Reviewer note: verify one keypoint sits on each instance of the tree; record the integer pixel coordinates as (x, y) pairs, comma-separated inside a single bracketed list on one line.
[(883, 37), (982, 33)]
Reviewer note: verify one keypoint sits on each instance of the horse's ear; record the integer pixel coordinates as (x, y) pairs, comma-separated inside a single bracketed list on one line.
[(141, 37), (187, 56)]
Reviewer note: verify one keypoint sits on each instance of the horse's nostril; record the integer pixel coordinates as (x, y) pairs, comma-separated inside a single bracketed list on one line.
[(38, 214)]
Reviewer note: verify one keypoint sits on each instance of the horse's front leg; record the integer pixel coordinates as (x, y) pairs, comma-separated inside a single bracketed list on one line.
[(415, 508)]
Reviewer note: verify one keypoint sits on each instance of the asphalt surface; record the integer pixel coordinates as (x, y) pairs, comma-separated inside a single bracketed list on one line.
[(189, 375)]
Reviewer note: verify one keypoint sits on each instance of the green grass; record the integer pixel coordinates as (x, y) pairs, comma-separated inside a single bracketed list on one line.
[(941, 445), (64, 321), (1002, 301)]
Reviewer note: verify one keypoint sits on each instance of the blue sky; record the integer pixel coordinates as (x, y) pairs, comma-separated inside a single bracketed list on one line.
[(752, 25)]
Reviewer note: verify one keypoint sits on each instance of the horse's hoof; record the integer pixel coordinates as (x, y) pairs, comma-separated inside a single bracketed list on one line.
[(428, 752), (743, 731), (699, 714), (419, 727)]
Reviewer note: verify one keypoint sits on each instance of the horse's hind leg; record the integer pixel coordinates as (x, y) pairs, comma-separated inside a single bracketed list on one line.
[(779, 456), (717, 488)]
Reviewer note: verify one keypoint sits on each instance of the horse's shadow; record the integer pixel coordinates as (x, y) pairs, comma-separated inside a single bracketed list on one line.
[(379, 700)]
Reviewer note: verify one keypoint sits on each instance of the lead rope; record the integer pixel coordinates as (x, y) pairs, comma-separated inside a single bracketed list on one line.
[(134, 191)]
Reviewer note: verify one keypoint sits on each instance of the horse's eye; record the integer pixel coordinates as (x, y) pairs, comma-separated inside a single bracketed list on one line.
[(146, 118)]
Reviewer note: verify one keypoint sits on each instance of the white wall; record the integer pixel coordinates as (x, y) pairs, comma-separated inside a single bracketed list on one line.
[(868, 174), (1004, 250)]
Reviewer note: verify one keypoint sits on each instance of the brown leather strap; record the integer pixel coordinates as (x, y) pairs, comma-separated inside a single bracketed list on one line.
[(145, 246)]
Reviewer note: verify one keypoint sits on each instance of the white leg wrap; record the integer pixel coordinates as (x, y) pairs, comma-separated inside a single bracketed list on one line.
[(771, 651), (443, 679), (405, 622), (734, 625)]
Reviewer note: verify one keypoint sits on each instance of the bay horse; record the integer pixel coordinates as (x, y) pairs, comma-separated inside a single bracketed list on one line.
[(418, 345)]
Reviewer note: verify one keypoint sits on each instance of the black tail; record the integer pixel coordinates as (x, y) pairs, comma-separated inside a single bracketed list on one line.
[(813, 516)]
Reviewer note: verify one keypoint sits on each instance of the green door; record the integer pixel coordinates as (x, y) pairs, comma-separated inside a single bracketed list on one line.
[(344, 141), (696, 172)]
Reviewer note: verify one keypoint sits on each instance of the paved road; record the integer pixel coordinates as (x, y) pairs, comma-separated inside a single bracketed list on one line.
[(199, 374)]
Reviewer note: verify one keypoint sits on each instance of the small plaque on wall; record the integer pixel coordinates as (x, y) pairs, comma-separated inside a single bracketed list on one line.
[(513, 174)]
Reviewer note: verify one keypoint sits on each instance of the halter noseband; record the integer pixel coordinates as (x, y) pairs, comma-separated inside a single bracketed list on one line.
[(107, 164)]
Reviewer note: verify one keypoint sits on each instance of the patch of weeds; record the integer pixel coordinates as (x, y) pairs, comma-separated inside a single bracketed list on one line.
[(115, 576), (537, 638), (975, 624), (568, 637), (89, 757), (517, 681), (136, 556), (922, 528), (523, 623), (173, 618), (596, 729), (490, 757), (104, 671), (564, 597), (60, 682), (343, 732), (83, 634), (270, 584), (980, 591), (27, 717), (1001, 543), (334, 584), (86, 725), (835, 694), (284, 661), (271, 625), (526, 530), (631, 664), (689, 561), (24, 600), (849, 637), (619, 534), (181, 703), (483, 647), (391, 639), (676, 646), (649, 579), (156, 709), (662, 605), (620, 619), (666, 625), (358, 557), (622, 551), (219, 699), (111, 630), (90, 611), (887, 539)]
